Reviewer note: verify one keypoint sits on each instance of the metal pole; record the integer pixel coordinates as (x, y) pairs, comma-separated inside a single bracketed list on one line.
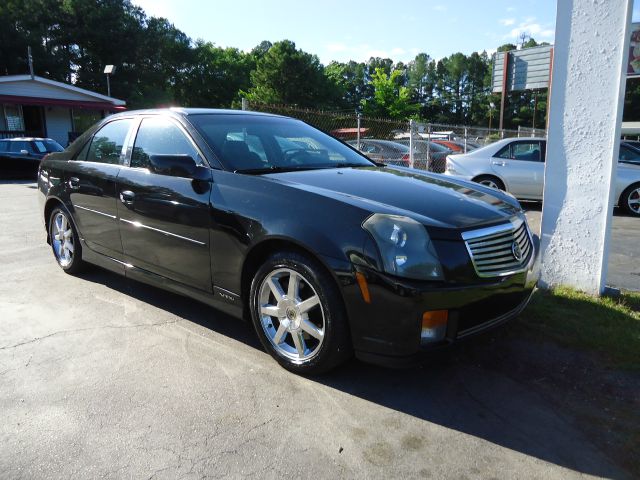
[(465, 139), (429, 163), (358, 131), (411, 125), (108, 86), (503, 98), (30, 62), (245, 104)]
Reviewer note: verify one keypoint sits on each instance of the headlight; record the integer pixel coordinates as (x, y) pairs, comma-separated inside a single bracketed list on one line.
[(405, 247), (449, 167)]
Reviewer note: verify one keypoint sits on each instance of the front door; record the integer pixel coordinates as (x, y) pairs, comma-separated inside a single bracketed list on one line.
[(90, 180), (164, 220), (34, 120)]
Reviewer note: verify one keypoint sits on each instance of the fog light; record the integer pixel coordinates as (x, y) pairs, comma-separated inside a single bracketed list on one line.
[(434, 325)]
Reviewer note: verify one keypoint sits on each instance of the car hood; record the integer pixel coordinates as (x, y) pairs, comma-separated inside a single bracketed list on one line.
[(432, 199)]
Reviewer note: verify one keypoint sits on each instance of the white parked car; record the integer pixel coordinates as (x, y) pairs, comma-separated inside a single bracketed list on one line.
[(516, 165)]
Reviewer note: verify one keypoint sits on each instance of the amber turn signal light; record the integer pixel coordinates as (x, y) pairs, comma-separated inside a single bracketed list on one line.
[(364, 287), (434, 325), (435, 318)]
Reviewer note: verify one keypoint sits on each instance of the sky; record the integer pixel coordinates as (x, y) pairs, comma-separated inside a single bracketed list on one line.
[(359, 29)]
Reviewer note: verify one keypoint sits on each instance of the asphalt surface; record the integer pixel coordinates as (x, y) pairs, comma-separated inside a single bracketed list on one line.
[(624, 253), (101, 377)]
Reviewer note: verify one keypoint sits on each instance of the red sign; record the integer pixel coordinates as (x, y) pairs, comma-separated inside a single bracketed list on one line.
[(633, 66)]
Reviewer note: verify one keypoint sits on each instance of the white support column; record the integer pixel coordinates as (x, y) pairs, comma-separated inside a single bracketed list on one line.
[(591, 49)]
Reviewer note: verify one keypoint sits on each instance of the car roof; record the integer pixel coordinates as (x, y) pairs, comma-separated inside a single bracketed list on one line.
[(24, 139), (193, 111)]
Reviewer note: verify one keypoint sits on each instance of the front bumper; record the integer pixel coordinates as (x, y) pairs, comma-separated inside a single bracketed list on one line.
[(387, 330)]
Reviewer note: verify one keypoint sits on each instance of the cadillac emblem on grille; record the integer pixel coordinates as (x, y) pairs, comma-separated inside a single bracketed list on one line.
[(517, 252), (501, 250)]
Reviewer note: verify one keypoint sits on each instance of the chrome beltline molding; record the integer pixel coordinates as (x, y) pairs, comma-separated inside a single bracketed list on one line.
[(95, 211), (164, 232)]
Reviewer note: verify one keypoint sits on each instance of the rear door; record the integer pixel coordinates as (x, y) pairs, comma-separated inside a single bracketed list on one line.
[(164, 220), (90, 180), (521, 165)]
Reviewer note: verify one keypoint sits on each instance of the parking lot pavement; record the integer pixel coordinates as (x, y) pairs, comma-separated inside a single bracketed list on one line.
[(104, 377), (624, 254)]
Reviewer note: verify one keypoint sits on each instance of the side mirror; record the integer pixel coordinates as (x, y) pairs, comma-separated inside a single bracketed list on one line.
[(178, 166)]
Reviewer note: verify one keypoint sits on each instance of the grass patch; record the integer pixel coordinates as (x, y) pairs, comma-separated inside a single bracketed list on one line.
[(609, 326)]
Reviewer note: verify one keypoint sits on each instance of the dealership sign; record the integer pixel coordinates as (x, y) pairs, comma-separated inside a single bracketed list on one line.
[(526, 69)]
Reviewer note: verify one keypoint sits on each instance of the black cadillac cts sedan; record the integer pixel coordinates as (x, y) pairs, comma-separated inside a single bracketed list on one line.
[(265, 217)]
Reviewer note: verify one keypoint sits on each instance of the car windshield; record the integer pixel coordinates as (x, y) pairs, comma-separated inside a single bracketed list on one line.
[(47, 146), (259, 144)]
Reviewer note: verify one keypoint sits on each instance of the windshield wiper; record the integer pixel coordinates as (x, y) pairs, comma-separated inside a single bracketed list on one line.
[(347, 165), (273, 169)]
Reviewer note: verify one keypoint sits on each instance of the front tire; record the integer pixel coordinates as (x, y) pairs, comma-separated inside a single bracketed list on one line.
[(298, 314), (64, 241), (630, 200)]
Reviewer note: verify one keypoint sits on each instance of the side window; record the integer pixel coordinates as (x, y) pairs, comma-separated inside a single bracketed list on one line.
[(107, 143), (159, 136), (504, 153), (528, 151), (17, 147)]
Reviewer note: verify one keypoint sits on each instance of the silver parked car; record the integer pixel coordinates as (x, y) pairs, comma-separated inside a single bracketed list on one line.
[(516, 165)]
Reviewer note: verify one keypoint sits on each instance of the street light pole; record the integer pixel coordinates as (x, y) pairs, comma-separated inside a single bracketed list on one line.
[(109, 70)]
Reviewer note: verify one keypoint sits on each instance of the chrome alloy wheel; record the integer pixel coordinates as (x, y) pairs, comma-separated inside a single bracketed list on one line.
[(633, 200), (292, 319), (489, 183), (62, 234)]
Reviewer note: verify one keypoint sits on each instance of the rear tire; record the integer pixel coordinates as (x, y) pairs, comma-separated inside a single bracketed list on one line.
[(630, 200), (298, 314), (490, 181), (65, 242)]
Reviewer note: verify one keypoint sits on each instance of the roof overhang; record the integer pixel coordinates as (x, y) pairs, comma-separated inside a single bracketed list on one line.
[(53, 102), (51, 87)]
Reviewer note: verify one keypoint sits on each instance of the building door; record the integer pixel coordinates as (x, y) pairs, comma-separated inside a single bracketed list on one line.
[(34, 120)]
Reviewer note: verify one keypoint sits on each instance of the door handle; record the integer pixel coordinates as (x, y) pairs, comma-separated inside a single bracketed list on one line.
[(74, 183), (500, 164), (127, 197)]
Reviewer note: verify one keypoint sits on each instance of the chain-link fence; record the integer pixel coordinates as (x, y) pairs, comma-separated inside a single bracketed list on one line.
[(406, 143)]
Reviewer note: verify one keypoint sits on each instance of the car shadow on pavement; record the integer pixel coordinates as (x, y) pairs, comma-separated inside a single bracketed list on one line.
[(449, 390)]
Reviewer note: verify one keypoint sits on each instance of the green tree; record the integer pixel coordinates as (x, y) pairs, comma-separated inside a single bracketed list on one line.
[(214, 77), (389, 98), (350, 80), (290, 76)]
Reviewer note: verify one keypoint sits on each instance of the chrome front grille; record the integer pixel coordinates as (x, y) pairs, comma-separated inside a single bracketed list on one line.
[(501, 250)]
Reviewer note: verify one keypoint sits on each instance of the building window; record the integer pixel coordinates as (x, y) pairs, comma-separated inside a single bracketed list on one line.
[(13, 117)]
